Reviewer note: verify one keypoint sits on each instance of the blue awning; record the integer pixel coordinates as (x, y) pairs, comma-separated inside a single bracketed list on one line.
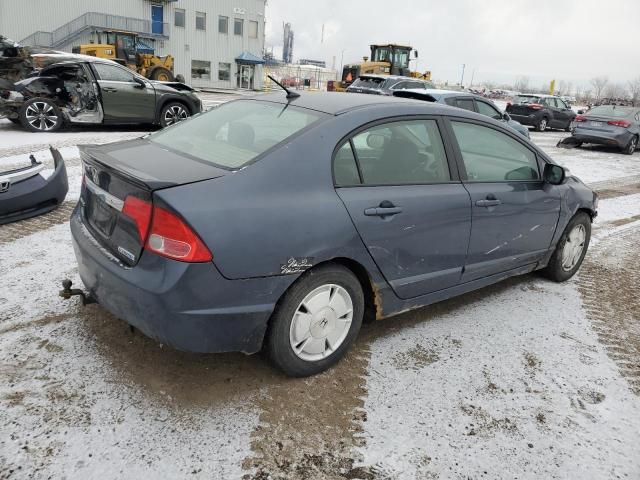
[(249, 59)]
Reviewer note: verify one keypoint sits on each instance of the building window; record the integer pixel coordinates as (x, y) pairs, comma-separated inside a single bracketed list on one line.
[(223, 25), (253, 29), (224, 71), (201, 21), (200, 69), (238, 25), (179, 17)]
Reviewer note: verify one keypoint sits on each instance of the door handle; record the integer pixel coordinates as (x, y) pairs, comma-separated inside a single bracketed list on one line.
[(385, 208), (488, 202), (109, 89)]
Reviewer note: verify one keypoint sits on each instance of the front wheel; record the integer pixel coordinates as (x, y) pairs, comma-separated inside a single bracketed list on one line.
[(571, 249), (316, 321), (173, 112), (40, 115), (631, 146), (542, 125)]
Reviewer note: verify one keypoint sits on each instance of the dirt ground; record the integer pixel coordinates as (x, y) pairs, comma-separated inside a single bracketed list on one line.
[(82, 396)]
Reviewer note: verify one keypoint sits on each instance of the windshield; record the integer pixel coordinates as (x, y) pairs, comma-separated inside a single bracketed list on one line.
[(368, 82), (401, 58), (523, 99), (381, 55), (612, 111), (235, 133)]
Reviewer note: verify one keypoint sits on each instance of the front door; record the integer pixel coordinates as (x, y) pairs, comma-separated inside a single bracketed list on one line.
[(412, 217), (246, 77), (157, 19), (123, 99), (514, 213)]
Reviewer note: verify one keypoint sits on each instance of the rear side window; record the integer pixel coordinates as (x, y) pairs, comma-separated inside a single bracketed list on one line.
[(235, 133), (525, 99), (492, 156), (465, 103), (401, 153), (345, 169)]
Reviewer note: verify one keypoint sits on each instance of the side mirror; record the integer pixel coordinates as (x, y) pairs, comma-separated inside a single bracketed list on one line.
[(554, 174), (506, 117), (141, 83)]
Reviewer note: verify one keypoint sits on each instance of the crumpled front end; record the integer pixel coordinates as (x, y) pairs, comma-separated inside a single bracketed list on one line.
[(25, 193)]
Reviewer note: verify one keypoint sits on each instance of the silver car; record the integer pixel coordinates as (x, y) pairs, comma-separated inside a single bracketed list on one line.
[(613, 125)]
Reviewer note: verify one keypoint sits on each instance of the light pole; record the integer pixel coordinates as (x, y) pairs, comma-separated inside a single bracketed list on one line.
[(462, 78), (341, 60)]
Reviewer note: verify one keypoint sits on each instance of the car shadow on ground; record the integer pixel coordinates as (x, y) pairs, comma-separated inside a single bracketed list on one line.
[(76, 128), (208, 379)]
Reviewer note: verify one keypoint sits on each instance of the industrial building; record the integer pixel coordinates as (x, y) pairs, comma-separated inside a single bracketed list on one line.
[(216, 43)]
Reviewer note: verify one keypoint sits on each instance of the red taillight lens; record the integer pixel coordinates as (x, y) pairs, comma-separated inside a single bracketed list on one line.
[(140, 212), (580, 118), (619, 123), (172, 238), (535, 106)]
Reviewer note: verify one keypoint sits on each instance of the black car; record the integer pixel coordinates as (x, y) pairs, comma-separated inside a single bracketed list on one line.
[(83, 90), (386, 84), (541, 112)]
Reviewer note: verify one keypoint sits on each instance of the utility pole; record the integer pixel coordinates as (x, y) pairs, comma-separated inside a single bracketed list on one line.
[(473, 74), (462, 78)]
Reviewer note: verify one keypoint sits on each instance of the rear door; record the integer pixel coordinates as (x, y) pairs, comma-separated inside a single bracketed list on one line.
[(556, 115), (408, 206), (123, 99), (515, 213)]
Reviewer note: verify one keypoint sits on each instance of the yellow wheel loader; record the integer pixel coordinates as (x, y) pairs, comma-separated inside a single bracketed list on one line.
[(124, 49)]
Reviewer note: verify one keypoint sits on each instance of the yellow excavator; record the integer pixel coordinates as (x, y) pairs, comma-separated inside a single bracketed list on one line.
[(386, 59), (126, 49)]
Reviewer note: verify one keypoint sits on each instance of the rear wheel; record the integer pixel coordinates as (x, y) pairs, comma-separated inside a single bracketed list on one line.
[(542, 124), (161, 74), (40, 115), (316, 321), (570, 127), (571, 249), (631, 146), (173, 112)]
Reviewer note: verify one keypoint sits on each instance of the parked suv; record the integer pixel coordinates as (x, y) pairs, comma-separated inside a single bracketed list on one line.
[(541, 112), (386, 84)]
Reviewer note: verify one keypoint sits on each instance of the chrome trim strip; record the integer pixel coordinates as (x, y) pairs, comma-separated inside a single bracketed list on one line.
[(106, 197), (19, 175)]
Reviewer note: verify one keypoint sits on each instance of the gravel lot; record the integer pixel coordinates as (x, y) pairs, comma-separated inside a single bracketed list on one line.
[(524, 379)]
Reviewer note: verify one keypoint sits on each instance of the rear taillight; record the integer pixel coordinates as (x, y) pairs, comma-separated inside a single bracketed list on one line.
[(170, 237), (535, 106), (509, 104), (619, 123), (580, 118), (140, 212)]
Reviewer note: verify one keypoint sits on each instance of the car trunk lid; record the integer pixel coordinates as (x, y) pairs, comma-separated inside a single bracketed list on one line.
[(135, 169), (600, 123)]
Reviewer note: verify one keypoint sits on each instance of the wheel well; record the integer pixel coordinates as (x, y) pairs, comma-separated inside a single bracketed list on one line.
[(588, 211), (372, 301)]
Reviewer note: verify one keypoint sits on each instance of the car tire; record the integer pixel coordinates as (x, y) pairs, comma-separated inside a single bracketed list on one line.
[(542, 124), (631, 146), (568, 257), (161, 74), (173, 112), (311, 315), (40, 115), (570, 127), (14, 120)]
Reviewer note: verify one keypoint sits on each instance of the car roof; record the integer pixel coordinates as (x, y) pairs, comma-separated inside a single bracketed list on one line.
[(336, 103), (541, 95), (437, 93), (389, 77)]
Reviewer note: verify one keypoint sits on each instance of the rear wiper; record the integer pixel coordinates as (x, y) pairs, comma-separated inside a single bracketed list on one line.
[(290, 94)]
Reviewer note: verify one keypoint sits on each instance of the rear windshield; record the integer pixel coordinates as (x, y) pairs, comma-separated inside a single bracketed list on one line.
[(235, 133), (524, 99), (368, 82), (612, 111)]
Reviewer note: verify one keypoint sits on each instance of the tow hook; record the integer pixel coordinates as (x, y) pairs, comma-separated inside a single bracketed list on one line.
[(67, 292)]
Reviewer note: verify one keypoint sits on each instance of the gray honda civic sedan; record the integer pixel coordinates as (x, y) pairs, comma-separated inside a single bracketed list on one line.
[(281, 223)]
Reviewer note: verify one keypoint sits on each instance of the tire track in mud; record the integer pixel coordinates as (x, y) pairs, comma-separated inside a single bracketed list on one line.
[(609, 282)]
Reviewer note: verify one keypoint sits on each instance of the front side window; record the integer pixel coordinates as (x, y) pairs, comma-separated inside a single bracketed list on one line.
[(223, 24), (401, 153), (179, 17), (235, 133), (112, 73), (488, 110), (201, 21), (253, 29), (493, 156), (224, 71), (550, 102), (200, 69), (238, 25), (561, 103)]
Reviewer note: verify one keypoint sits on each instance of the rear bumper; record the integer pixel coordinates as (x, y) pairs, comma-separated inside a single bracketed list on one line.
[(189, 307), (34, 195), (620, 140), (531, 120)]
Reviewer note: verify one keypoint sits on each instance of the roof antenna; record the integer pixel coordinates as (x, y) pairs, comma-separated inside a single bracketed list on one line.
[(290, 94)]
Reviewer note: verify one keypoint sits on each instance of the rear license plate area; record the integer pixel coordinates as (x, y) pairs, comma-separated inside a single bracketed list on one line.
[(101, 216), (597, 124)]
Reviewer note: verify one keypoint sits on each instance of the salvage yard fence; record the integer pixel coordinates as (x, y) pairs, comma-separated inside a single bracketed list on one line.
[(298, 77)]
